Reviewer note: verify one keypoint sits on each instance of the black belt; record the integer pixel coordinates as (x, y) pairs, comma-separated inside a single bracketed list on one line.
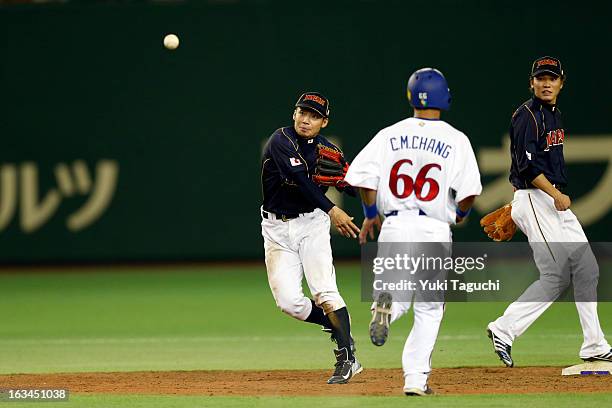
[(277, 216)]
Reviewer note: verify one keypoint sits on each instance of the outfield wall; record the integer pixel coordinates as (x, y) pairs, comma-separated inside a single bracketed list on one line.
[(114, 148)]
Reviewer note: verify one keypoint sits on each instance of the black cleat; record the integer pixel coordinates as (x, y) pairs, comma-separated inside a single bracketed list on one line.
[(502, 349), (345, 368), (381, 318)]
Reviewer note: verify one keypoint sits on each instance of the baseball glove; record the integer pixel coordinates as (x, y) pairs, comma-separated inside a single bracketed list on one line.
[(498, 225), (331, 167)]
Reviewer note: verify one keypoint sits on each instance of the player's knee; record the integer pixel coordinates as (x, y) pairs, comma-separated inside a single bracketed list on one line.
[(294, 306), (332, 305), (328, 307), (556, 282)]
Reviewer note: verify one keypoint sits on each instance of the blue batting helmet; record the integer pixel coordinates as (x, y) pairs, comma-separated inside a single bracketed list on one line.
[(427, 89)]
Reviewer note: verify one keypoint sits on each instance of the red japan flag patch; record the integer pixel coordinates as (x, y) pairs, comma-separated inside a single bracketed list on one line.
[(294, 162)]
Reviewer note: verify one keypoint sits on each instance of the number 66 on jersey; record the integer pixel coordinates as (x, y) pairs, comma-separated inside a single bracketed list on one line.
[(419, 165)]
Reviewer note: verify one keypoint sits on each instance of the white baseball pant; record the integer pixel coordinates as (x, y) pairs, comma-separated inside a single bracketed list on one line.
[(535, 214), (296, 248), (416, 357)]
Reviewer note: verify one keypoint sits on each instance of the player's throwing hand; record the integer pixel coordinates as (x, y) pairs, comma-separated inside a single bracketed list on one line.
[(343, 222)]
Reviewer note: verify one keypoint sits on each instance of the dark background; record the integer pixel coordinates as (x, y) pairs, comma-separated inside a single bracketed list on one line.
[(92, 81)]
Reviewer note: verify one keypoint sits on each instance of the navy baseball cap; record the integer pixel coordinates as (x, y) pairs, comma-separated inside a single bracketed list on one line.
[(314, 101), (547, 65)]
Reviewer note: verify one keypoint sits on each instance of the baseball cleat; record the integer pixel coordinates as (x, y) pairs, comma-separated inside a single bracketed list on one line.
[(345, 368), (601, 357), (379, 325), (417, 392), (502, 349), (356, 368), (332, 337)]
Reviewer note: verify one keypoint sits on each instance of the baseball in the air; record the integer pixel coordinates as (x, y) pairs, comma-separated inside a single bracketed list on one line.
[(171, 42)]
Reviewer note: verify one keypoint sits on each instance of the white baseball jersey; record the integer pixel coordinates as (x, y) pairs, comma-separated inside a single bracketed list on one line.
[(418, 164)]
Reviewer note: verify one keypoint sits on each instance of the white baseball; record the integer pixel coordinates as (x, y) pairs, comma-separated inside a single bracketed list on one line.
[(171, 42)]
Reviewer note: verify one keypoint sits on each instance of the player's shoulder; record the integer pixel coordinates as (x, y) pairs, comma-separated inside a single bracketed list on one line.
[(325, 142), (447, 127), (394, 128), (281, 140), (283, 136), (405, 125), (444, 128), (525, 110)]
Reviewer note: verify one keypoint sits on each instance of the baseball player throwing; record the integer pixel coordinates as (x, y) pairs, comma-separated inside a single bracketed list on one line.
[(295, 226), (541, 210), (421, 173)]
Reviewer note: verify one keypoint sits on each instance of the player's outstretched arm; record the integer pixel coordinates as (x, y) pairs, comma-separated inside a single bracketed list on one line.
[(343, 222), (562, 201), (368, 197)]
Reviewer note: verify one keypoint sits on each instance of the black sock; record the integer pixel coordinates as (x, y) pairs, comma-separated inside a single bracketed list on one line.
[(342, 329), (317, 316)]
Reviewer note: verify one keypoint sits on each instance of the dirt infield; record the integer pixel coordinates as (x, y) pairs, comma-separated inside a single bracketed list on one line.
[(302, 382)]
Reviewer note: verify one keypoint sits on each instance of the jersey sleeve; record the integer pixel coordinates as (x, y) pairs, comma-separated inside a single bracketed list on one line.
[(466, 177), (286, 157), (293, 167), (312, 192), (365, 169), (348, 190), (524, 131)]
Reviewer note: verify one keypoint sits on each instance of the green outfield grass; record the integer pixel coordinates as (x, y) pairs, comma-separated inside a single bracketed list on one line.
[(225, 318), (200, 318), (466, 401)]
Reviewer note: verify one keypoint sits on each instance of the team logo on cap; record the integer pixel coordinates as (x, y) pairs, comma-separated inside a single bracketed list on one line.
[(547, 61), (315, 98)]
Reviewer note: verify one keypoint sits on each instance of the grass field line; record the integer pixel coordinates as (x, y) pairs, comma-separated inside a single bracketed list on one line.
[(217, 339)]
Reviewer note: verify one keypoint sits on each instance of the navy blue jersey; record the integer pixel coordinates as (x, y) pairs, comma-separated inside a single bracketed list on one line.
[(536, 144), (287, 165)]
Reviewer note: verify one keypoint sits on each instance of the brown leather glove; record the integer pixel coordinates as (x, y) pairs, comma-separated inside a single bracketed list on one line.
[(498, 225), (331, 167)]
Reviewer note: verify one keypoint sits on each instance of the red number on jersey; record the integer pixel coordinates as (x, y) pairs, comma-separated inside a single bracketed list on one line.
[(395, 177), (416, 185)]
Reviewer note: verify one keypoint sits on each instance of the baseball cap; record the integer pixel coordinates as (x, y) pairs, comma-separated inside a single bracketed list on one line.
[(547, 65), (314, 101)]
